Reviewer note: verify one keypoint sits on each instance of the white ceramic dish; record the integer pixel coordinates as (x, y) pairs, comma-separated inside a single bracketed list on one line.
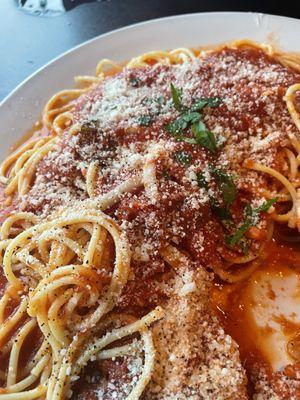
[(23, 106)]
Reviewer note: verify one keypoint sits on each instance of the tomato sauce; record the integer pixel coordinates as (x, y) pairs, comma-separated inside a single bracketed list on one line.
[(233, 303)]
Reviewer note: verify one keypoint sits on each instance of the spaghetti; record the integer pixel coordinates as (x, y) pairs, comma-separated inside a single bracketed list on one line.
[(146, 170), (46, 252)]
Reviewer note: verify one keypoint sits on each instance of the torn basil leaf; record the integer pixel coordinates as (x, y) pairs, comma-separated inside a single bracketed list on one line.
[(183, 157)]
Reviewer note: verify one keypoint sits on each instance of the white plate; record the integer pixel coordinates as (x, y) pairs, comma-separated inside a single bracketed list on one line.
[(23, 106)]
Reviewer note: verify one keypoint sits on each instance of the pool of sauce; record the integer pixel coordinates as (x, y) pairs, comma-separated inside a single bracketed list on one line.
[(234, 304)]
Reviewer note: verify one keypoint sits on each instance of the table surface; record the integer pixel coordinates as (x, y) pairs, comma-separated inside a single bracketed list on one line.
[(28, 42)]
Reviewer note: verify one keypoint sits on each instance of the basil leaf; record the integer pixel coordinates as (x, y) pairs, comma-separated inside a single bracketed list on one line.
[(205, 101), (213, 101), (145, 120), (221, 212), (201, 103), (265, 206), (135, 82), (227, 186), (190, 117), (176, 97), (220, 174), (202, 181), (177, 127), (166, 174), (160, 100), (229, 193), (238, 235), (188, 140), (183, 157), (251, 220), (181, 123), (204, 137)]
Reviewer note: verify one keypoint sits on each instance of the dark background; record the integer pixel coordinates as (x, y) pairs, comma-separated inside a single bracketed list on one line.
[(27, 42)]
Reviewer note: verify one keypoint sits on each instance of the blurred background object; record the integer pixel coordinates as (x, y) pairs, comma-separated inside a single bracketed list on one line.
[(41, 7), (31, 35), (52, 8)]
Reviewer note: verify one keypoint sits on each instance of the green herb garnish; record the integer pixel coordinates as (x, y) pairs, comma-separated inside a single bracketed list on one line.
[(192, 119), (166, 174), (145, 120), (206, 102), (134, 81), (177, 127), (251, 219), (160, 100), (232, 240), (221, 212), (202, 181), (204, 137), (183, 157), (265, 206), (226, 185), (176, 97)]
